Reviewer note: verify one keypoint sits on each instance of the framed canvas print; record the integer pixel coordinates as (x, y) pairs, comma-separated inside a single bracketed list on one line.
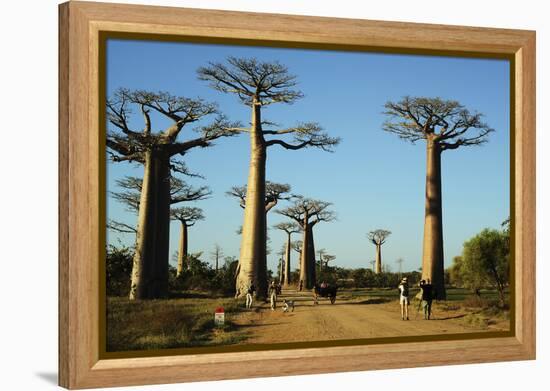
[(241, 189)]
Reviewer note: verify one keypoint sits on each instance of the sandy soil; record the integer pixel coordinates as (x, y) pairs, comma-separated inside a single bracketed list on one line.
[(346, 319)]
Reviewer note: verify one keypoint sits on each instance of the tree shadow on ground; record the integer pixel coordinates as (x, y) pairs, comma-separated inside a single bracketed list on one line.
[(251, 325), (459, 316), (377, 300), (193, 295)]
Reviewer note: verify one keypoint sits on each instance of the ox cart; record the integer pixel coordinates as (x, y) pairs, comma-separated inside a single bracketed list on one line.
[(324, 291)]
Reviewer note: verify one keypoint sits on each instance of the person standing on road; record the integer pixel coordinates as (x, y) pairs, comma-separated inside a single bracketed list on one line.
[(404, 298), (427, 297), (273, 295), (249, 295)]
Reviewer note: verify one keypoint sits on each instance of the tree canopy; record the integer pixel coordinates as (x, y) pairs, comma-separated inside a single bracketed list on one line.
[(485, 260), (288, 227), (127, 144), (446, 122), (261, 84), (315, 210), (253, 81), (297, 245), (187, 215), (180, 191), (274, 192), (378, 236)]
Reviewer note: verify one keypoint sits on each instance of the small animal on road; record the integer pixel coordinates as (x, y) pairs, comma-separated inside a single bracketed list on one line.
[(288, 305)]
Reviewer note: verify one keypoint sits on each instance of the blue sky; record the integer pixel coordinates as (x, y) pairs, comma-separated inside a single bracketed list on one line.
[(374, 179)]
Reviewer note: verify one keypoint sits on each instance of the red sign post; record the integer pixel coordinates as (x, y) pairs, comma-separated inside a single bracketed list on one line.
[(219, 316)]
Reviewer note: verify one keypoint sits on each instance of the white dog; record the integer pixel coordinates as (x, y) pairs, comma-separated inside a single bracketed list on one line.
[(288, 305)]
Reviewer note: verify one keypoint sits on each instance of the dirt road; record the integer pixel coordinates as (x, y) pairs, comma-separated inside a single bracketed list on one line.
[(346, 319)]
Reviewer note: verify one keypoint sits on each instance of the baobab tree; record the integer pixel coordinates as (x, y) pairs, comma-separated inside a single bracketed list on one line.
[(216, 254), (444, 125), (130, 195), (297, 246), (289, 228), (180, 191), (327, 258), (187, 216), (259, 84), (372, 264), (120, 227), (274, 192), (321, 252), (281, 263), (157, 151), (307, 213), (378, 238), (399, 261)]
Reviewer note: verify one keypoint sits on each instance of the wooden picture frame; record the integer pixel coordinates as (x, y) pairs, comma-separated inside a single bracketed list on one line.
[(80, 146)]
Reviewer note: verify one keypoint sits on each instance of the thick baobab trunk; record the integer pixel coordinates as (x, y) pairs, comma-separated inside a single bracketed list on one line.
[(378, 264), (253, 243), (312, 272), (162, 238), (143, 263), (432, 258), (182, 250), (286, 274), (150, 265), (307, 257), (304, 253)]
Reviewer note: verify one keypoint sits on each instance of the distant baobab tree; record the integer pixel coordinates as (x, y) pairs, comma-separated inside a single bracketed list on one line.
[(378, 238), (399, 261), (274, 192), (297, 246), (281, 263), (216, 254), (258, 84), (444, 125), (321, 252), (157, 151), (307, 213), (187, 216), (327, 258), (289, 228)]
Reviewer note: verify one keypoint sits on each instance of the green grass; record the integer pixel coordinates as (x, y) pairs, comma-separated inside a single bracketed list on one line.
[(453, 294), (158, 324)]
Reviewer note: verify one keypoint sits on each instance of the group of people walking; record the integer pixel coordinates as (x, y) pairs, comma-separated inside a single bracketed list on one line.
[(273, 290), (426, 297)]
